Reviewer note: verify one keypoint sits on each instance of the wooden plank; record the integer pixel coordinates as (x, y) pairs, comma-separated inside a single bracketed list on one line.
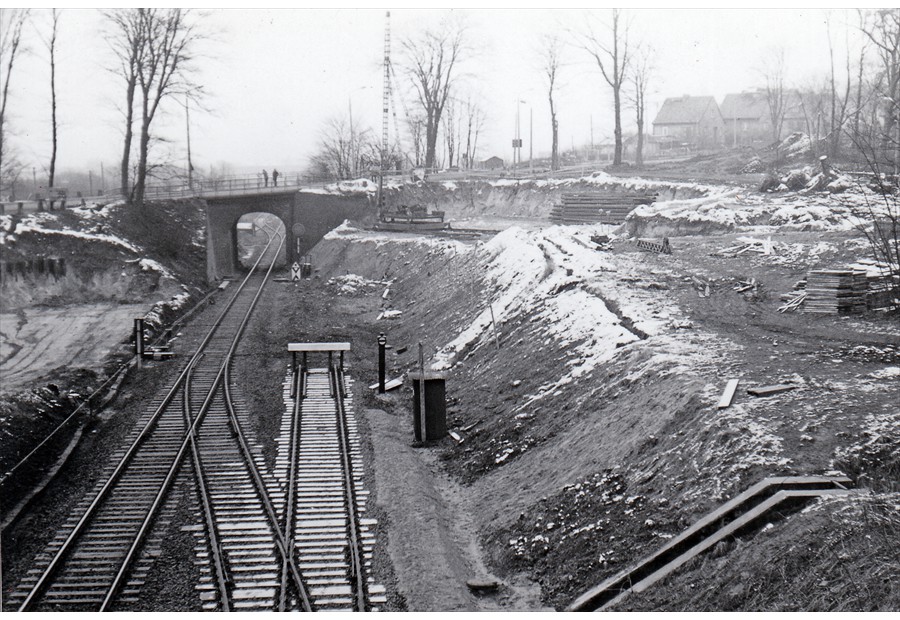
[(728, 394), (769, 390), (295, 347), (388, 385)]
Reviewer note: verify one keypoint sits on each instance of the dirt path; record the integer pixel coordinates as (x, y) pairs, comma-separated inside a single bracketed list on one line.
[(432, 541), (34, 341)]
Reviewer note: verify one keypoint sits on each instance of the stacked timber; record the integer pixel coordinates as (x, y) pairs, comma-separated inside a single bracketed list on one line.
[(595, 207), (835, 291)]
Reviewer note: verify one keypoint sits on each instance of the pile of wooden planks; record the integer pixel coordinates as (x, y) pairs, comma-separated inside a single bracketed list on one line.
[(835, 291), (596, 207), (883, 284), (758, 246), (794, 301)]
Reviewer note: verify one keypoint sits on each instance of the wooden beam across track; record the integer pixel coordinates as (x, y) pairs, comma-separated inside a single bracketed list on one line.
[(304, 348)]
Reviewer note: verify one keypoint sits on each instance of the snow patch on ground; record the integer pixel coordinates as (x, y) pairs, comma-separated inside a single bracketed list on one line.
[(604, 179), (36, 223), (886, 373), (352, 284), (575, 296), (347, 232)]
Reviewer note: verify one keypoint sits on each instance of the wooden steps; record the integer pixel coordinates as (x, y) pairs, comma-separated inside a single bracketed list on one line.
[(606, 208), (740, 513)]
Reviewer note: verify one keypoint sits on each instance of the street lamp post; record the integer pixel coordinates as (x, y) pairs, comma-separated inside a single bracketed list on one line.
[(531, 139)]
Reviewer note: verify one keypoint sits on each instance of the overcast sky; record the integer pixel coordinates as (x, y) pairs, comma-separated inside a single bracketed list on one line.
[(275, 76)]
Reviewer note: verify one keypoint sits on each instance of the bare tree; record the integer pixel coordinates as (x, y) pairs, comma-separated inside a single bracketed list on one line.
[(416, 125), (773, 73), (474, 126), (610, 51), (641, 74), (169, 37), (883, 31), (12, 21), (51, 47), (860, 79), (127, 41), (344, 150), (551, 61), (838, 102), (813, 104), (876, 138), (431, 61), (451, 124)]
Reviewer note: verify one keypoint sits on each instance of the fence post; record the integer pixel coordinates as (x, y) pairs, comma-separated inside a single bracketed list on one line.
[(139, 341)]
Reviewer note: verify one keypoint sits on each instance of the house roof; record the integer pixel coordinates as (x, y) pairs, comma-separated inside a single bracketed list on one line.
[(754, 105), (684, 110)]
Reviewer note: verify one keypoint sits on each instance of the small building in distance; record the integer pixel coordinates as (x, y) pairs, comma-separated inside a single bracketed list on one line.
[(653, 147), (748, 120), (492, 163), (695, 122)]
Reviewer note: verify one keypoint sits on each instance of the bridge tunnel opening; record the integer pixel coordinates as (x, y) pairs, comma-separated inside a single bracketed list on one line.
[(253, 233)]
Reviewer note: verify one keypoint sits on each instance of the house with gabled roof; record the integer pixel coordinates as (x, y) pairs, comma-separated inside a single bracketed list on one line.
[(695, 122), (748, 120)]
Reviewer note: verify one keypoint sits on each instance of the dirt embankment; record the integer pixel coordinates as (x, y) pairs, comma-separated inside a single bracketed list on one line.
[(63, 330), (508, 198), (590, 433)]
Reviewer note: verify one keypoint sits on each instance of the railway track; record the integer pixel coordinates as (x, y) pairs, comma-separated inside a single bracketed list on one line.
[(294, 538), (320, 466), (101, 555)]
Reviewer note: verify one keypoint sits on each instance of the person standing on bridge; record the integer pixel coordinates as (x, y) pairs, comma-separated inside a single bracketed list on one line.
[(265, 178), (275, 177)]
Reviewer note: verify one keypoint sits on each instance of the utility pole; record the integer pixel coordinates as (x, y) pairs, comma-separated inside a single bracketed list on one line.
[(91, 181), (518, 138), (34, 182), (385, 98), (190, 166)]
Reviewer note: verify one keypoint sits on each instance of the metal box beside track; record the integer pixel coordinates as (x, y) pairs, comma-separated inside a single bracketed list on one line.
[(435, 405)]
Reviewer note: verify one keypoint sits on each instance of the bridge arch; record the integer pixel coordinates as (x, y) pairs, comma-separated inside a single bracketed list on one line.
[(306, 215), (254, 232)]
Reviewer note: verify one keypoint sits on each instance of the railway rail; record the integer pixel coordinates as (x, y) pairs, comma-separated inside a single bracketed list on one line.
[(294, 538), (100, 557), (321, 467)]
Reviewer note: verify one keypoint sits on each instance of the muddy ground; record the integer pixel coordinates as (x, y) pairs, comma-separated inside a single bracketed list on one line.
[(36, 341)]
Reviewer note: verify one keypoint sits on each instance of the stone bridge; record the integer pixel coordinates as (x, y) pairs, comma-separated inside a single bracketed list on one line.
[(307, 216)]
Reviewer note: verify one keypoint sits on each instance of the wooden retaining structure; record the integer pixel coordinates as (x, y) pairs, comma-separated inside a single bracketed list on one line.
[(740, 513), (595, 207)]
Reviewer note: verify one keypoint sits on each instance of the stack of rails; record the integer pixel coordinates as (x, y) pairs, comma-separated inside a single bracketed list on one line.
[(593, 208), (835, 291)]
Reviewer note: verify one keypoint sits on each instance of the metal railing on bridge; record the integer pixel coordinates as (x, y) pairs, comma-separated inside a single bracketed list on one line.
[(228, 186)]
